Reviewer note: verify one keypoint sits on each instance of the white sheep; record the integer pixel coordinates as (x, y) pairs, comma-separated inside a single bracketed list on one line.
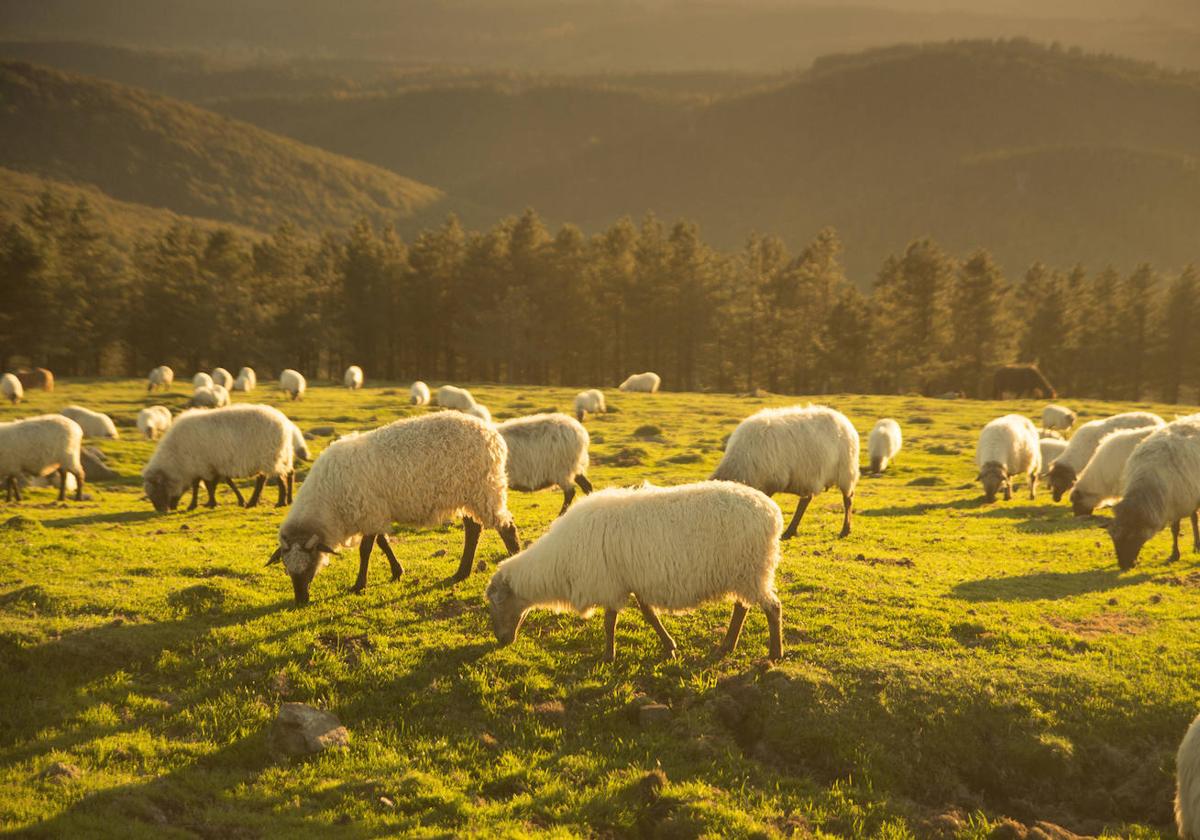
[(479, 410), (1057, 418), (671, 548), (38, 446), (202, 380), (1187, 792), (418, 393), (1051, 447), (547, 450), (590, 401), (420, 471), (93, 423), (214, 446), (293, 383), (883, 443), (153, 421), (1161, 485), (222, 377), (300, 444), (160, 378), (247, 380), (449, 396), (214, 396), (11, 388), (353, 377), (801, 450), (1100, 482), (1067, 467), (646, 382), (1008, 446)]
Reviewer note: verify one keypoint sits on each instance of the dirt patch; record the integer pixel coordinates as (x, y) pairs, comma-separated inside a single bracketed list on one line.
[(684, 458), (903, 562), (630, 456), (1190, 580), (350, 649), (1102, 624), (927, 481)]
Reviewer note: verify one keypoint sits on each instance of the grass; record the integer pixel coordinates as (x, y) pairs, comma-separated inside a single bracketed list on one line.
[(949, 666)]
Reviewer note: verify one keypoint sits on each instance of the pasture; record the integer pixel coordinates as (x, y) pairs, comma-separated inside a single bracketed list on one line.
[(951, 669)]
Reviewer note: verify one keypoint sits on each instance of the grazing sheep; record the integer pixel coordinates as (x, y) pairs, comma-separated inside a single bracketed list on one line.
[(671, 548), (299, 444), (547, 450), (1161, 485), (1100, 481), (161, 377), (93, 423), (202, 380), (450, 397), (420, 471), (883, 444), (38, 379), (11, 388), (801, 450), (646, 382), (481, 411), (353, 377), (219, 446), (1187, 792), (589, 401), (293, 383), (419, 393), (247, 380), (1067, 467), (1051, 448), (214, 396), (1008, 446), (153, 421), (222, 377), (1057, 418), (38, 446)]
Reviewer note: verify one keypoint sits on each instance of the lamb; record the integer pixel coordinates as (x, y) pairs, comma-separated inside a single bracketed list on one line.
[(11, 388), (419, 471), (1008, 446), (1067, 467), (1057, 418), (214, 396), (353, 378), (293, 383), (589, 401), (1161, 484), (646, 382), (93, 423), (38, 446), (36, 379), (1100, 481), (1051, 448), (153, 421), (547, 450), (202, 380), (883, 444), (419, 393), (672, 548), (481, 411), (215, 446), (1187, 793), (299, 444), (161, 377), (247, 380), (222, 377), (450, 397), (801, 450)]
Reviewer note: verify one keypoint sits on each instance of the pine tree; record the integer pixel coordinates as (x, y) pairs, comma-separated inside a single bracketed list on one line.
[(980, 323)]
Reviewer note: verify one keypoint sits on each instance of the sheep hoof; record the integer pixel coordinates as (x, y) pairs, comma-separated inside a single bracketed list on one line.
[(786, 535), (845, 533), (358, 589), (668, 653), (397, 575)]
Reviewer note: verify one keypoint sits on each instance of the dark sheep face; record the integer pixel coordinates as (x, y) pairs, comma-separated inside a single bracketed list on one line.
[(1128, 539), (507, 610), (1079, 505), (994, 478), (162, 491), (1061, 479), (302, 560)]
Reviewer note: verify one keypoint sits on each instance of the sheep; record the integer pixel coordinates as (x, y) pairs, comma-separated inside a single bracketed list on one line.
[(293, 383), (222, 377), (589, 401), (153, 421), (672, 548), (547, 450), (161, 377), (1100, 481), (247, 380), (215, 446), (419, 393), (1187, 792), (1008, 446), (481, 411), (1057, 418), (353, 377), (1051, 448), (450, 397), (801, 450), (38, 446), (299, 444), (647, 382), (11, 388), (36, 379), (93, 423), (419, 471), (1161, 484), (202, 380), (1083, 443), (883, 444), (214, 396)]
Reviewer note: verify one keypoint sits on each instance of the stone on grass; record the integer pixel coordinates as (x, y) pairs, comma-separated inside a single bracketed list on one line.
[(301, 730)]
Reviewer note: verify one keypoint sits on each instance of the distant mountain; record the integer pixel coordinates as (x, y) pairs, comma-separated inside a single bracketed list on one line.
[(145, 149)]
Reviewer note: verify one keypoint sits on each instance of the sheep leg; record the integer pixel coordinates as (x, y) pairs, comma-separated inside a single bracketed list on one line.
[(652, 619), (735, 627), (584, 484), (795, 523), (1033, 484), (259, 481), (291, 480), (847, 505), (283, 493), (774, 611), (471, 532), (62, 484), (210, 484), (364, 557), (1008, 490), (241, 499), (397, 569), (79, 476), (1175, 555), (568, 497), (1195, 533), (195, 494), (610, 634), (512, 540)]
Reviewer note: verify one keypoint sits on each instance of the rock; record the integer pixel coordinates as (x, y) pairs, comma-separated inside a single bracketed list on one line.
[(60, 771), (653, 714), (93, 465), (551, 711), (441, 552), (301, 730), (321, 431)]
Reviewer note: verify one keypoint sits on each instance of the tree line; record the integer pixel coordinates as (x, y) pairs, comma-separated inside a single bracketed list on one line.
[(523, 304)]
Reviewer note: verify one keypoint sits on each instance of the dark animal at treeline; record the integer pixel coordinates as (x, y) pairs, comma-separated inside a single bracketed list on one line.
[(1021, 381), (36, 378)]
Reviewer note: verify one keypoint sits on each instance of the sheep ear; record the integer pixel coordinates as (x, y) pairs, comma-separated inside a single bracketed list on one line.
[(276, 557), (324, 549), (312, 541)]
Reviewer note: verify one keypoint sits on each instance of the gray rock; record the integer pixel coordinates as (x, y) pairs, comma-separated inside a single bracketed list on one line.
[(301, 730), (321, 431), (653, 714), (94, 466)]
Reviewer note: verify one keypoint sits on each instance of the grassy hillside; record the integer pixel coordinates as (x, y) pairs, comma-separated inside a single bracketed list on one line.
[(950, 667), (142, 148)]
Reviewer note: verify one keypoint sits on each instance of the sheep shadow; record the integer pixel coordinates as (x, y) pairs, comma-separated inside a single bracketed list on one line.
[(102, 518), (972, 503), (1045, 586)]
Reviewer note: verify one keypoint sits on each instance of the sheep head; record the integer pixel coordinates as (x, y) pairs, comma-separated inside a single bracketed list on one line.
[(1061, 479), (507, 608), (994, 476), (1081, 505), (302, 559), (163, 491), (1129, 533)]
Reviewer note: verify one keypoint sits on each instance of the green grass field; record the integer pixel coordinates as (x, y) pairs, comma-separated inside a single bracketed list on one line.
[(950, 666)]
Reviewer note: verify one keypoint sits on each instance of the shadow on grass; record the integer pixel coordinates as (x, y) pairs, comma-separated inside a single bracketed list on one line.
[(102, 518), (923, 507), (1045, 586)]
